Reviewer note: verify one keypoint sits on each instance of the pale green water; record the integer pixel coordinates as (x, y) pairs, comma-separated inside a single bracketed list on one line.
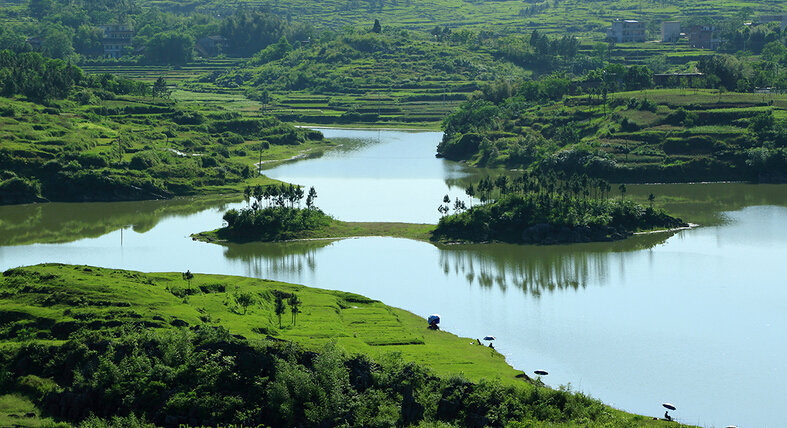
[(697, 318)]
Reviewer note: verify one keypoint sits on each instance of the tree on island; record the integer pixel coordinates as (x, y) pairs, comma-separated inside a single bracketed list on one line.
[(470, 191), (311, 197), (622, 189), (443, 209), (295, 304), (279, 306), (651, 198)]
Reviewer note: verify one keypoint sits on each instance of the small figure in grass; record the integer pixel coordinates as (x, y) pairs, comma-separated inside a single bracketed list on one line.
[(667, 416), (491, 346)]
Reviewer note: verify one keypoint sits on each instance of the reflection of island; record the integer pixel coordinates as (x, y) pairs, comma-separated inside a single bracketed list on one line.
[(65, 222), (535, 269), (266, 258)]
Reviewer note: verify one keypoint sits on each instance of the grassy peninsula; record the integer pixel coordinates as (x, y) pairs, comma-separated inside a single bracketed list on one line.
[(207, 349)]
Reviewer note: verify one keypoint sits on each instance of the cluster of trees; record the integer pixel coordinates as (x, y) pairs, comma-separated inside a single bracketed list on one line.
[(66, 30), (292, 301), (275, 221), (42, 79), (248, 32), (754, 39), (510, 207), (208, 377), (36, 77), (540, 52), (279, 196)]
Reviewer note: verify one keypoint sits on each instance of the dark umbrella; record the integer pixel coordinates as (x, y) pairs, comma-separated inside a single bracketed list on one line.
[(541, 372), (669, 406)]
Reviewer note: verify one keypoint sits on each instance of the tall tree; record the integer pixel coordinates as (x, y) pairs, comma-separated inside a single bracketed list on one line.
[(160, 88), (245, 299), (295, 304), (188, 276), (279, 307), (311, 197)]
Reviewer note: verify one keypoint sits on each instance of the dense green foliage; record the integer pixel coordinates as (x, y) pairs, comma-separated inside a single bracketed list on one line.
[(548, 209), (36, 77), (207, 377)]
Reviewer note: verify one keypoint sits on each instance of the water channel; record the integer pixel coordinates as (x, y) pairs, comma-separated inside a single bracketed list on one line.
[(697, 317)]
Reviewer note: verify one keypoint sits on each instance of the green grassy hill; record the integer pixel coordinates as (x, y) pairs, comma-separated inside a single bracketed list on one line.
[(100, 339)]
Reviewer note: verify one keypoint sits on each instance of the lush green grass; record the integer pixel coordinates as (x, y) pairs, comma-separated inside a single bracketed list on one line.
[(358, 324), (18, 410)]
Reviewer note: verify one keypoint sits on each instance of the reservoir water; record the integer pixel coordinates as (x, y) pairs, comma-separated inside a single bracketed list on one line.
[(697, 317)]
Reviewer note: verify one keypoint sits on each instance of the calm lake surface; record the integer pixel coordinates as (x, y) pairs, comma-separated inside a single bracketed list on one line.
[(697, 318)]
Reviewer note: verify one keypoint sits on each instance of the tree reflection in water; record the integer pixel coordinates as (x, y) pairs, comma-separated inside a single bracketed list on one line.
[(537, 269), (266, 259)]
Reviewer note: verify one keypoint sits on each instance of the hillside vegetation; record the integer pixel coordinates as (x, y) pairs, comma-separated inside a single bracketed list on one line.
[(207, 349), (661, 135), (101, 138)]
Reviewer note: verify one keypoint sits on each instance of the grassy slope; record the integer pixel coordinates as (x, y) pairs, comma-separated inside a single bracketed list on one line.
[(357, 323), (93, 298)]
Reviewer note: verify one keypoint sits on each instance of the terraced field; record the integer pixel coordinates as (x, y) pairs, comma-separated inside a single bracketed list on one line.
[(171, 73)]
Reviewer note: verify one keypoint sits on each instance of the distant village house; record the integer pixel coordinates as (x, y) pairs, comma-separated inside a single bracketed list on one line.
[(704, 37), (116, 38), (670, 31), (627, 31)]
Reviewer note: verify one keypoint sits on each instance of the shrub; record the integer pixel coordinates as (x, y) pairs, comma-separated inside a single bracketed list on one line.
[(144, 160)]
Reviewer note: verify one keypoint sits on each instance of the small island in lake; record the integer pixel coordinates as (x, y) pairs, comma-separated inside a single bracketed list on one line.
[(548, 209), (274, 214), (527, 209)]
